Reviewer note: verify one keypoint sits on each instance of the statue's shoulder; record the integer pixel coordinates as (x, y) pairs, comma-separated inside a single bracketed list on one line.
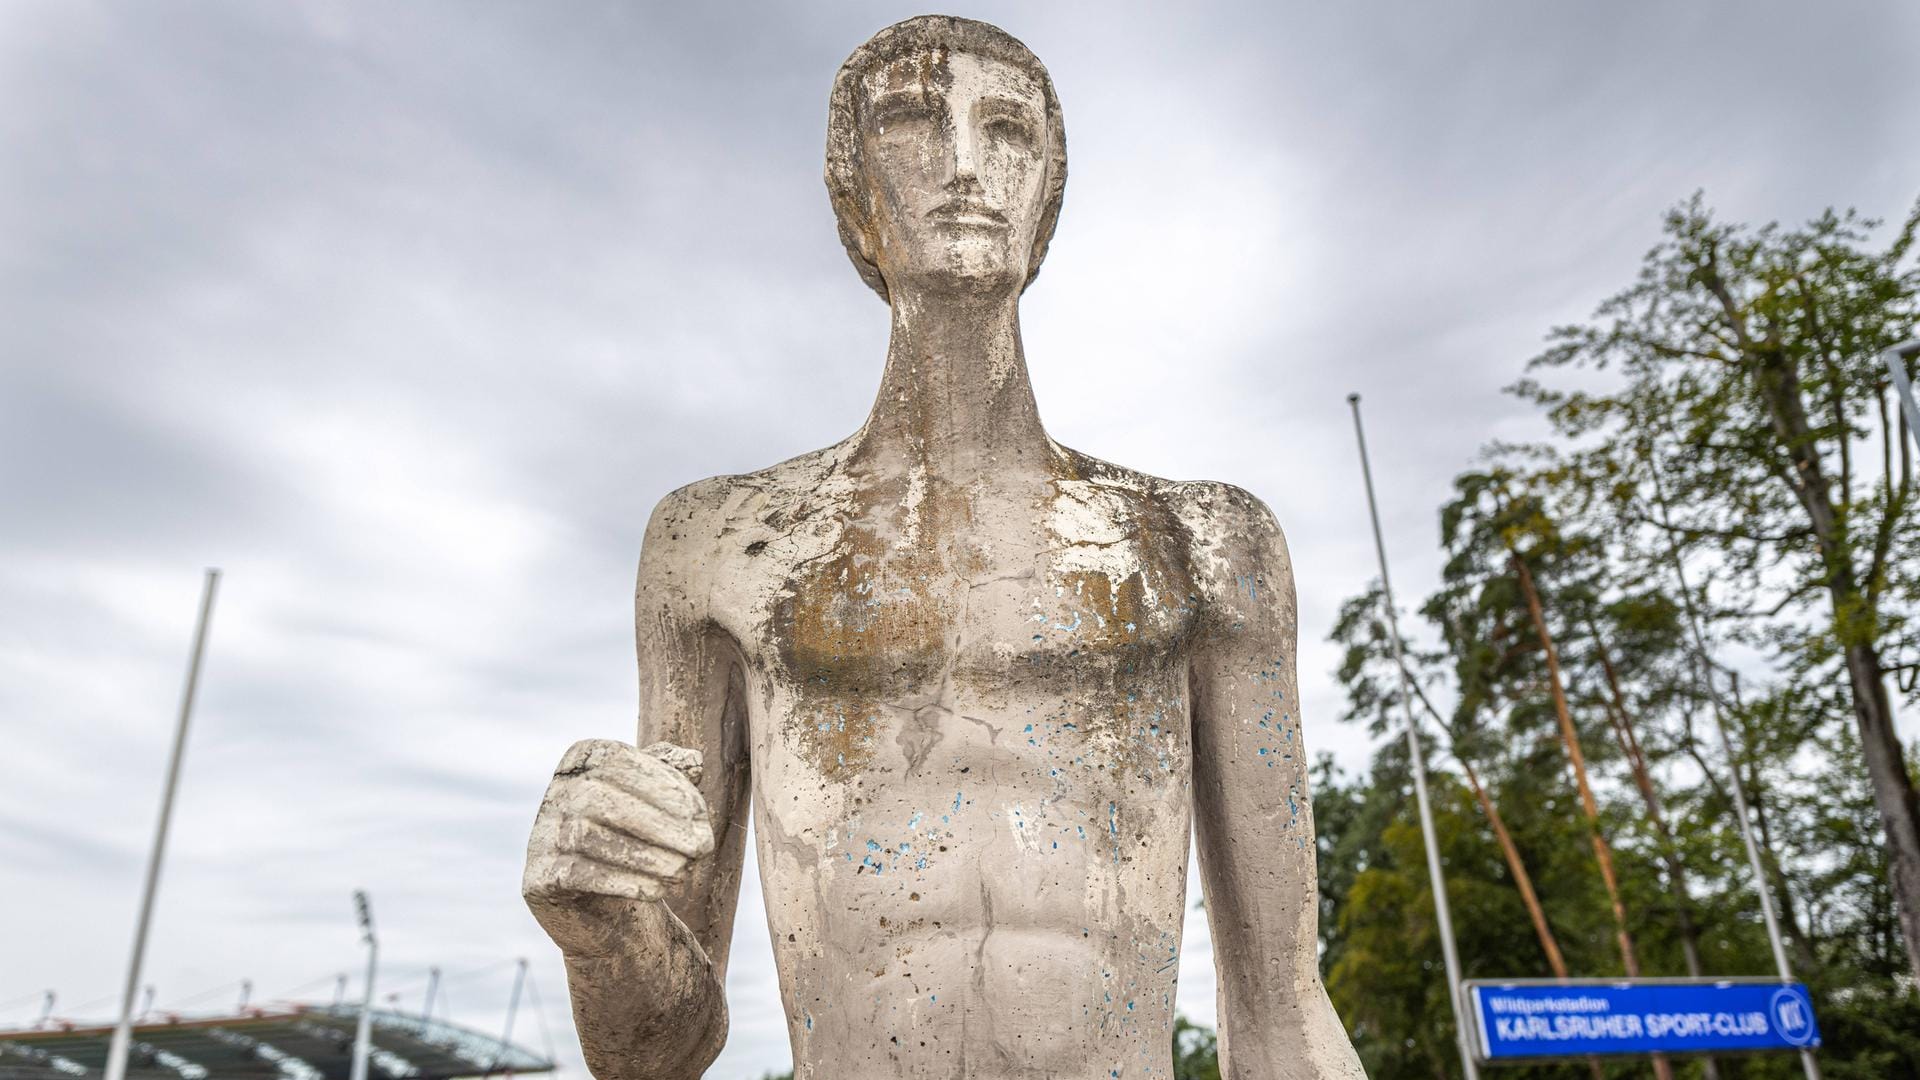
[(704, 511), (1215, 508), (1233, 533), (1208, 509)]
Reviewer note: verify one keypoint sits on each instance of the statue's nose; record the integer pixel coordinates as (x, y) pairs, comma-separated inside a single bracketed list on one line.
[(963, 161)]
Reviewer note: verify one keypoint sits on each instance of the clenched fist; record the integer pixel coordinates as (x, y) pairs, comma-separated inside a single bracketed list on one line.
[(616, 823)]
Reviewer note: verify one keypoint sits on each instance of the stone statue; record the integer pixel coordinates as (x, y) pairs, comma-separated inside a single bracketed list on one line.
[(975, 686)]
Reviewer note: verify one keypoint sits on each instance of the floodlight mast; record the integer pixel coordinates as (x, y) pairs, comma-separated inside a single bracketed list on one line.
[(363, 1033), (433, 987), (116, 1067), (513, 1007), (1442, 911)]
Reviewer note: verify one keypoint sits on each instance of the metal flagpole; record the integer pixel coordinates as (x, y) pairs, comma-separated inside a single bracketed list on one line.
[(1703, 670), (363, 1033), (1441, 910), (1896, 367), (116, 1067)]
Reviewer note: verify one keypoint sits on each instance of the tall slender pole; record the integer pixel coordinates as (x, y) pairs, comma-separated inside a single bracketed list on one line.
[(46, 1011), (513, 1006), (1703, 671), (116, 1067), (1896, 359), (340, 990), (363, 1033), (433, 987), (246, 994), (1442, 912)]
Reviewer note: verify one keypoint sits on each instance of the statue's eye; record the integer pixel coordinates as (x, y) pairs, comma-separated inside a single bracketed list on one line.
[(1010, 130), (903, 114)]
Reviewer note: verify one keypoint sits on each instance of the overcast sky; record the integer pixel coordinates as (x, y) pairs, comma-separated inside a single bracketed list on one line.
[(406, 314)]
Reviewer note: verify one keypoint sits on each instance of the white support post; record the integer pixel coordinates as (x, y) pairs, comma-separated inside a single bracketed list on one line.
[(1896, 359)]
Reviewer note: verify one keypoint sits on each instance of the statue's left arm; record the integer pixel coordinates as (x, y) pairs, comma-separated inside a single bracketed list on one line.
[(1253, 817)]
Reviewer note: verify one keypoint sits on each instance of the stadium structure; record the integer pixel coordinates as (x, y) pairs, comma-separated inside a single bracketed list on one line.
[(298, 1042)]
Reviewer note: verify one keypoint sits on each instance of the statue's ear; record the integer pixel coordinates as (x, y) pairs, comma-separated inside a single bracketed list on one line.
[(866, 233)]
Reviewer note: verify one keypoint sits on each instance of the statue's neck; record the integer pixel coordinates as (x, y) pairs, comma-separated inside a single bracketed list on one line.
[(955, 398)]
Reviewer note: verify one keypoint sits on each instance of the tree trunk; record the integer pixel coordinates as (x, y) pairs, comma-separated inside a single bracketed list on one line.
[(1657, 818), (1522, 880), (1893, 790), (1570, 738), (1856, 624)]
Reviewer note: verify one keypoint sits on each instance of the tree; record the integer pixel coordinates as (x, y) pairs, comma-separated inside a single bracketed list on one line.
[(1495, 522), (1196, 1051), (1367, 649), (1748, 375)]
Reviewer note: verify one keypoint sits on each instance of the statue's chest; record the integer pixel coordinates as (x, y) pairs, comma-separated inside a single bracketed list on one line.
[(877, 630)]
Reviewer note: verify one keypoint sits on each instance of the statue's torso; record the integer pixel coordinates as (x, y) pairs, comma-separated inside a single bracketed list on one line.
[(968, 713)]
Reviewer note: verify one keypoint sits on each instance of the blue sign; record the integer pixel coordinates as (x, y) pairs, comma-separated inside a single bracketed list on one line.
[(1531, 1020)]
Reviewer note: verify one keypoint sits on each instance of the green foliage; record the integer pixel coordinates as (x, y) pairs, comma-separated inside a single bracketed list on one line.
[(1196, 1051), (1799, 544)]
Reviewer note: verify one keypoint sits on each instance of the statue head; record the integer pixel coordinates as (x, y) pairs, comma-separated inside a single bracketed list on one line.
[(946, 158)]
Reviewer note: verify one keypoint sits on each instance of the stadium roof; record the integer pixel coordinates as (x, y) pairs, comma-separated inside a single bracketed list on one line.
[(301, 1043)]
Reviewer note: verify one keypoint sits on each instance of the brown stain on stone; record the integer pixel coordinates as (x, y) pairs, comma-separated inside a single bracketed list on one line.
[(1116, 608), (867, 624)]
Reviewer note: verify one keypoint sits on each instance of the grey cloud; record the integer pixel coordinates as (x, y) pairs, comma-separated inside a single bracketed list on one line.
[(408, 314)]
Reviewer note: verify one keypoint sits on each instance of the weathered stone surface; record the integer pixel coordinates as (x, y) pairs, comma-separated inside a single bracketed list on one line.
[(976, 687)]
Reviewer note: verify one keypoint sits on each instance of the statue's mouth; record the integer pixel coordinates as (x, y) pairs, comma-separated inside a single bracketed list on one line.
[(967, 213)]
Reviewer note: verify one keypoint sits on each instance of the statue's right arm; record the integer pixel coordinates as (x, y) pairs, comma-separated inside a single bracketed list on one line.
[(634, 866)]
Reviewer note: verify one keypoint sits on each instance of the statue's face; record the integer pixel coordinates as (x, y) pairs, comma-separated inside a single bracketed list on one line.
[(955, 149)]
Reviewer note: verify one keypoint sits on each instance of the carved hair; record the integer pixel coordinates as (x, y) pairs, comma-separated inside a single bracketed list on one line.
[(927, 33)]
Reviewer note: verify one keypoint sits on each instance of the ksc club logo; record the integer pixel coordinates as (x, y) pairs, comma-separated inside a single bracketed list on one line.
[(1791, 1015)]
